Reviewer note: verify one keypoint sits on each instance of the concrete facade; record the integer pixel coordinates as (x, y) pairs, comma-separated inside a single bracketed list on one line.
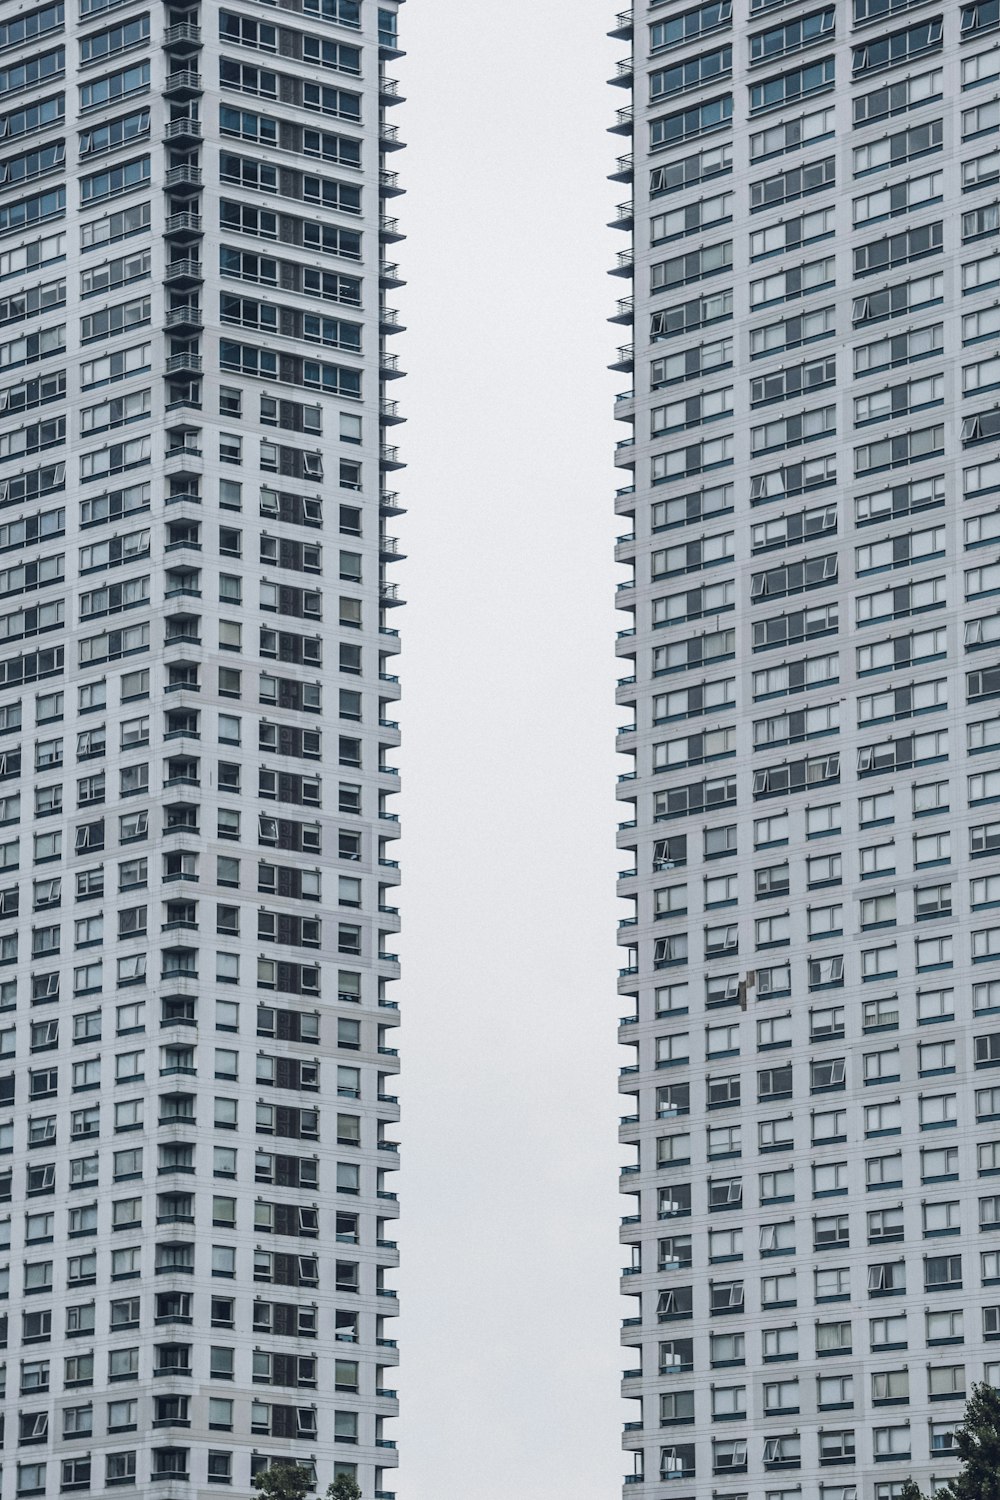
[(196, 737), (811, 955)]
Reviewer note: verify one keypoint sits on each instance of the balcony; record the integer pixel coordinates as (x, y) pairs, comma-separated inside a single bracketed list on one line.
[(389, 549), (624, 169), (623, 74), (622, 30), (623, 121), (624, 264), (183, 450), (186, 316), (389, 230), (184, 128), (184, 179), (625, 360), (388, 184), (183, 83), (388, 274), (388, 457), (183, 226), (389, 413), (388, 365), (623, 314), (624, 216), (389, 596), (388, 91), (389, 320), (184, 38), (183, 364), (388, 504), (183, 271)]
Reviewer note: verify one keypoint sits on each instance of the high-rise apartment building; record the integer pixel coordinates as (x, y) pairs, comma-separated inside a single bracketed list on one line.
[(813, 821), (196, 700)]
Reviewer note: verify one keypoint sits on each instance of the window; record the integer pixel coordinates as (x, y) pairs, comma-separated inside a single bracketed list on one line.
[(785, 88)]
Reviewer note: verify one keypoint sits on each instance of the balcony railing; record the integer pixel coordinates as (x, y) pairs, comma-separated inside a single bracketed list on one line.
[(185, 269), (183, 223), (184, 31), (186, 128), (183, 81), (188, 364), (188, 316), (185, 176)]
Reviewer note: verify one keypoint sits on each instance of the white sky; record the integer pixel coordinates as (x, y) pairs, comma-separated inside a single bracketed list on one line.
[(510, 1206)]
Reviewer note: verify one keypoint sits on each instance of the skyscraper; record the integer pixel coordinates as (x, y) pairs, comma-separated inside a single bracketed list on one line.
[(196, 730), (812, 951)]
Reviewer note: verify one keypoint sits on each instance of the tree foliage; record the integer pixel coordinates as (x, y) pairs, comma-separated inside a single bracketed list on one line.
[(284, 1482), (977, 1443), (344, 1487)]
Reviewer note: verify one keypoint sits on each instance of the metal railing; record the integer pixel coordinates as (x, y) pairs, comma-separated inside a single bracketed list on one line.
[(185, 176), (184, 31), (187, 267), (182, 223), (187, 127), (187, 79), (190, 364), (187, 314)]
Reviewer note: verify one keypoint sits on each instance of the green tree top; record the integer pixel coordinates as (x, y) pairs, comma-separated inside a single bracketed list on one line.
[(977, 1442), (344, 1487), (284, 1482)]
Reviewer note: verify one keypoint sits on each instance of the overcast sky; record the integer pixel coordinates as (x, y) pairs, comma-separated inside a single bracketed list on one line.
[(510, 1206)]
